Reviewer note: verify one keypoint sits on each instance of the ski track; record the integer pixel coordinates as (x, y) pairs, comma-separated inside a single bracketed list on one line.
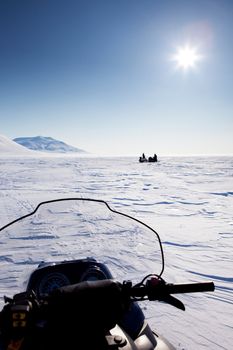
[(188, 200)]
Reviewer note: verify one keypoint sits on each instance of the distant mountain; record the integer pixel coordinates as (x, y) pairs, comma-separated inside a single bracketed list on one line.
[(9, 147), (46, 144)]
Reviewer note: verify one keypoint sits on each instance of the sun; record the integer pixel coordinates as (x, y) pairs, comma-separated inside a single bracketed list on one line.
[(186, 57)]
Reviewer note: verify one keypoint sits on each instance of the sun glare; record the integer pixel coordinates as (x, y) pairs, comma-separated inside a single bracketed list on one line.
[(186, 57)]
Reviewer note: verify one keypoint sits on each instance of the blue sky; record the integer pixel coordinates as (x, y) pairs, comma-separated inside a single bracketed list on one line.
[(99, 74)]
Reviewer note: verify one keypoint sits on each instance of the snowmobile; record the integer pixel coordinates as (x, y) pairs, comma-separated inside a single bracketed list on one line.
[(91, 279)]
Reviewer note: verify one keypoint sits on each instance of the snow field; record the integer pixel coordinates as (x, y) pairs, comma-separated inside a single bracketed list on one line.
[(187, 200)]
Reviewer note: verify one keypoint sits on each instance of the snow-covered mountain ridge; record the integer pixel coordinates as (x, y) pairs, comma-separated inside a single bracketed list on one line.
[(46, 144)]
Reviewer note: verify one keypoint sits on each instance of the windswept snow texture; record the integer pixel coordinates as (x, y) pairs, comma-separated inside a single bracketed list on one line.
[(188, 200), (46, 144)]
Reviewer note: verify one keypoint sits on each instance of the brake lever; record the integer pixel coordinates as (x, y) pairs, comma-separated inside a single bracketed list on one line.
[(169, 299), (162, 294)]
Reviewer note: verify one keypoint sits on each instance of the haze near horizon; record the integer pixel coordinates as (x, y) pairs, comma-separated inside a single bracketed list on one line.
[(121, 77)]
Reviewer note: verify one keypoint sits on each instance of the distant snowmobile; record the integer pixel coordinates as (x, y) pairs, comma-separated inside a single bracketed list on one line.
[(143, 159), (79, 303)]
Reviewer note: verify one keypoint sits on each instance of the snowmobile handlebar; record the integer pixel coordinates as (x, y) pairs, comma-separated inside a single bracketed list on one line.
[(156, 288), (190, 287), (105, 296), (89, 300)]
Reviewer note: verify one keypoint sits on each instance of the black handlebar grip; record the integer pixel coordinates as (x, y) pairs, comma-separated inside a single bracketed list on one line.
[(190, 288), (160, 290)]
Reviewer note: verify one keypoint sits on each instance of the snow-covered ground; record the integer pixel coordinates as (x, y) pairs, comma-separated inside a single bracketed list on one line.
[(188, 200)]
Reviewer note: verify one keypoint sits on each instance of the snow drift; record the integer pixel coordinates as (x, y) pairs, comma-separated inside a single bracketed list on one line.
[(9, 147)]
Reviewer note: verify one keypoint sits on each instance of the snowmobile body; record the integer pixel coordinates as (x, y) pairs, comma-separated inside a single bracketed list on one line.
[(72, 298)]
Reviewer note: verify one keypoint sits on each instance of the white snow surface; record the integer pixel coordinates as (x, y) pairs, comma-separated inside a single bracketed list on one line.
[(187, 200)]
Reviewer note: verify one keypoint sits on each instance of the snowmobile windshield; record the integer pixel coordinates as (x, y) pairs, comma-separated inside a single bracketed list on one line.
[(67, 229)]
